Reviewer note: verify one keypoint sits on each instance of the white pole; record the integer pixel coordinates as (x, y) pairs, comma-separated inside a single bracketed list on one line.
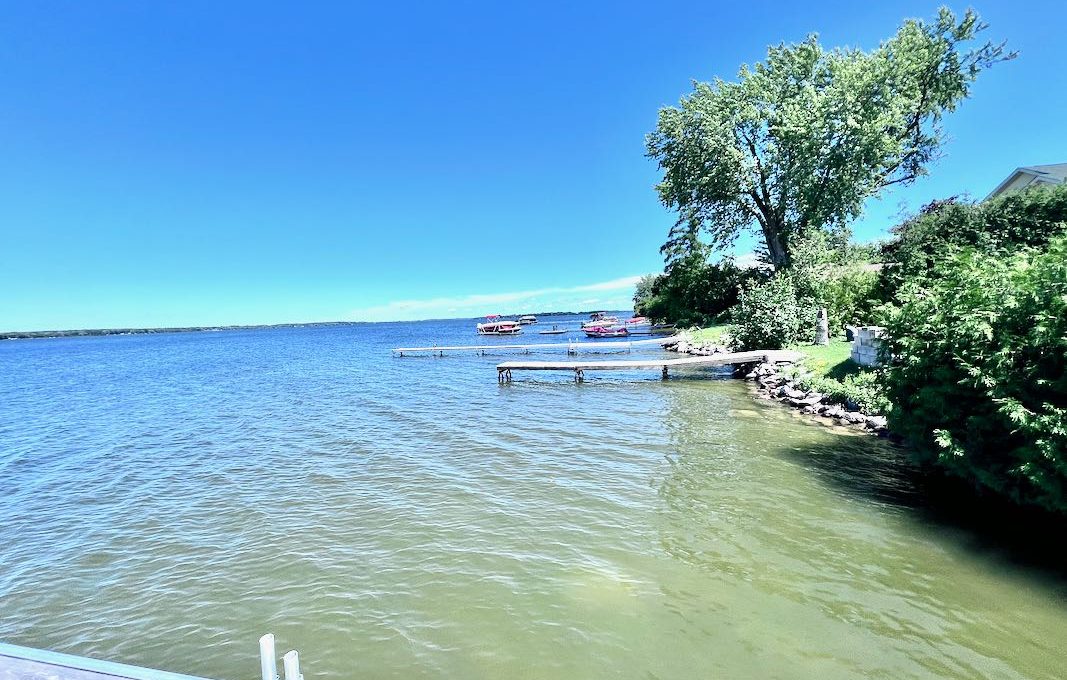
[(268, 662), (291, 661)]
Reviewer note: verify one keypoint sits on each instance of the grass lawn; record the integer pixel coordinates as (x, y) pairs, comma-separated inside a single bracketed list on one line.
[(829, 361), (824, 361), (711, 334)]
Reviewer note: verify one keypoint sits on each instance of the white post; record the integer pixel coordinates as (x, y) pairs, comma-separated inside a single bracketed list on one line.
[(268, 662), (291, 661)]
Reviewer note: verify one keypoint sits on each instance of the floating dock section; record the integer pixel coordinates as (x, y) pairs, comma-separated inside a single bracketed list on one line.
[(504, 370)]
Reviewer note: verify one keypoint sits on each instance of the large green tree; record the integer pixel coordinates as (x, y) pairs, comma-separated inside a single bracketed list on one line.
[(801, 140)]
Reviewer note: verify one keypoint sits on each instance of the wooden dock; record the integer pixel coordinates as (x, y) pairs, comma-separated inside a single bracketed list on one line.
[(571, 347), (503, 371), (25, 663)]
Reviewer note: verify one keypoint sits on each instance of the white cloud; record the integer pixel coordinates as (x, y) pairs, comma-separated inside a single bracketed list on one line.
[(614, 294)]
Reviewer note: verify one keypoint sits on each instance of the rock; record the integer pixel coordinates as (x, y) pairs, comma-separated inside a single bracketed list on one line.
[(834, 411), (751, 375), (855, 418), (851, 405), (877, 422), (789, 392), (811, 399)]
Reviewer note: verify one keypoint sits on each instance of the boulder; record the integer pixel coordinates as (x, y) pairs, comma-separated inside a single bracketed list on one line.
[(855, 418), (790, 392), (877, 422)]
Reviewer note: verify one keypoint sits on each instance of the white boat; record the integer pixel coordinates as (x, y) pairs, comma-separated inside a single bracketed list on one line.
[(494, 325), (556, 330), (600, 320), (527, 319)]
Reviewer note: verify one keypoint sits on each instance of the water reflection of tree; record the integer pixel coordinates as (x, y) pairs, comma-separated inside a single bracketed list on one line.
[(808, 538)]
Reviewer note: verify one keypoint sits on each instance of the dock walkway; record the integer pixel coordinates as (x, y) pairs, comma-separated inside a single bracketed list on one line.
[(571, 347), (25, 663), (579, 367)]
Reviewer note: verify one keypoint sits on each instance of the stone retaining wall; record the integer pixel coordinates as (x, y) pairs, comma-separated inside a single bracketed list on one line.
[(867, 344)]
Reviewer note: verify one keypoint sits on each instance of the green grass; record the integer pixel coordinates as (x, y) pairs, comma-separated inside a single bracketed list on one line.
[(711, 334), (829, 361)]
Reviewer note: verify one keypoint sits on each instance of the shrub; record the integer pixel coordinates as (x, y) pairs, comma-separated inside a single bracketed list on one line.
[(835, 274), (770, 315), (978, 376), (863, 389), (692, 291), (1025, 219)]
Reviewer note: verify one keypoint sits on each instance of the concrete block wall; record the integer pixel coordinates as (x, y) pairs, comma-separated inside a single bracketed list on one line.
[(866, 345)]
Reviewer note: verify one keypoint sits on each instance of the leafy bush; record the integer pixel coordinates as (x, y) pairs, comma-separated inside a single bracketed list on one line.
[(770, 315), (692, 291), (863, 389), (1002, 225), (836, 275), (979, 371)]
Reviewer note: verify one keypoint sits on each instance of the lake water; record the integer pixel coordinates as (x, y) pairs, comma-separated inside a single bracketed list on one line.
[(167, 499)]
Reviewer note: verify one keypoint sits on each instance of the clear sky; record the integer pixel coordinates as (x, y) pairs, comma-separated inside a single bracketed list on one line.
[(193, 163)]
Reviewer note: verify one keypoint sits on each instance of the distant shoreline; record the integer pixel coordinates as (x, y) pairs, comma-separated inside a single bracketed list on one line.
[(90, 332), (94, 332)]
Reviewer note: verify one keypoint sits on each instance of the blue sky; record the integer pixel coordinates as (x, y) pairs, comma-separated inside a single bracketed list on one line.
[(208, 163)]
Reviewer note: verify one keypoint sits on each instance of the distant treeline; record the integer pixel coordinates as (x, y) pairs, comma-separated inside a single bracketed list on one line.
[(24, 335)]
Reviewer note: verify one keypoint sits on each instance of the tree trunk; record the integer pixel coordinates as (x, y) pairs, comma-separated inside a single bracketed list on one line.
[(773, 234)]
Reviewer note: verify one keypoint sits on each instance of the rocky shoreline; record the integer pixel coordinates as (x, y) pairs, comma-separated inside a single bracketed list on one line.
[(770, 382)]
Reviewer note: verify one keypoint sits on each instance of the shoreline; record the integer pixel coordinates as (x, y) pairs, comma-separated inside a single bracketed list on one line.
[(102, 332), (769, 383)]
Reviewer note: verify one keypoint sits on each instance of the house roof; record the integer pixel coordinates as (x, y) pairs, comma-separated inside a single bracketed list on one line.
[(1056, 173)]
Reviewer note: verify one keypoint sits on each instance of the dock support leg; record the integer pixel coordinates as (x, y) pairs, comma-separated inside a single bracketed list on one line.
[(664, 372), (268, 662), (291, 663)]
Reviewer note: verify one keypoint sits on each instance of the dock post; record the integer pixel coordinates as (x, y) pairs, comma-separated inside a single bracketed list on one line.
[(664, 372), (268, 661), (291, 661)]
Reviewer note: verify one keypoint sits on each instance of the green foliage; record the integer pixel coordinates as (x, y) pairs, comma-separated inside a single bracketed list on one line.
[(862, 388), (999, 226), (771, 315), (692, 291), (800, 141), (830, 370), (979, 370), (835, 275)]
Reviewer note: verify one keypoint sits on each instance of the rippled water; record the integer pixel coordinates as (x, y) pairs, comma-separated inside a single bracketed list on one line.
[(167, 499)]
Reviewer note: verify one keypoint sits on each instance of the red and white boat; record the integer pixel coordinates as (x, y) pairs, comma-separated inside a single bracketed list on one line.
[(639, 325), (606, 331), (494, 325)]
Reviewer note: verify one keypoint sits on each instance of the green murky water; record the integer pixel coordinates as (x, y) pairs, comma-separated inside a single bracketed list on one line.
[(169, 499)]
